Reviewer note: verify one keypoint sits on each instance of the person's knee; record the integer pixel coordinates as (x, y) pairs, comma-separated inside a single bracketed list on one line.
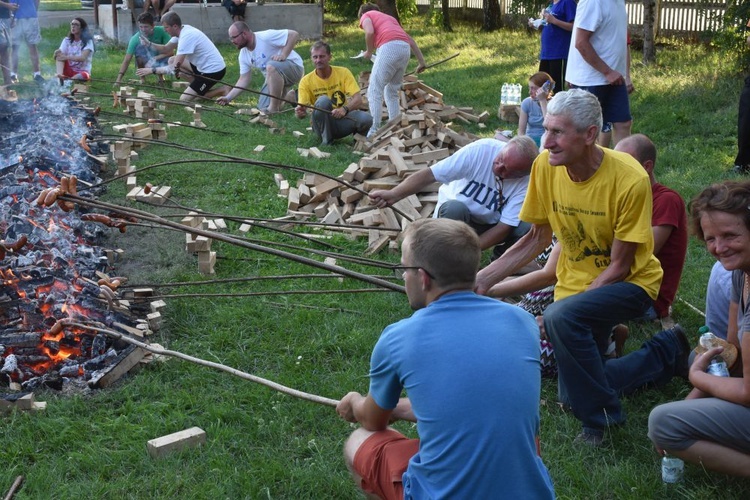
[(353, 444), (455, 210), (324, 102)]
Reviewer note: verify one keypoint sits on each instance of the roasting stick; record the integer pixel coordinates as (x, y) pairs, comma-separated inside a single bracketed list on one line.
[(261, 294), (14, 488), (147, 216), (237, 159), (175, 354)]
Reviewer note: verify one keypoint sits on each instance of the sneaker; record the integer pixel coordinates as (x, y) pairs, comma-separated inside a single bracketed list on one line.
[(737, 169), (13, 78), (590, 437), (681, 364), (39, 79)]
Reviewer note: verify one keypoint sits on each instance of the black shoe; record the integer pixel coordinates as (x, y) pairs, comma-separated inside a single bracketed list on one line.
[(590, 438), (681, 363), (39, 79), (741, 169), (13, 78)]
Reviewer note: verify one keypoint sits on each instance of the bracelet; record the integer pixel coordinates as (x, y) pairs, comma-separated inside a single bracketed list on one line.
[(346, 108)]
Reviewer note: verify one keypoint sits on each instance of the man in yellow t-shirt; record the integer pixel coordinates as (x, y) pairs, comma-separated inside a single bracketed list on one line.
[(334, 93), (598, 204)]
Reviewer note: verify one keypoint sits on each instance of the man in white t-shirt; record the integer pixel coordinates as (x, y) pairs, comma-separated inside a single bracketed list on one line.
[(483, 184), (598, 62), (206, 64), (272, 52)]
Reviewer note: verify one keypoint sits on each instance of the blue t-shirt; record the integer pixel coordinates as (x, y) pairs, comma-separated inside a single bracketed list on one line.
[(555, 40), (26, 9), (534, 124), (470, 367)]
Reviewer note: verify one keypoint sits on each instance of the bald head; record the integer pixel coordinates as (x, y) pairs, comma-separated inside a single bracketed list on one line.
[(639, 147)]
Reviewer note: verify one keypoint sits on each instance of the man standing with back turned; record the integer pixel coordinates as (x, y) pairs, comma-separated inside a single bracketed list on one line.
[(470, 367), (598, 203)]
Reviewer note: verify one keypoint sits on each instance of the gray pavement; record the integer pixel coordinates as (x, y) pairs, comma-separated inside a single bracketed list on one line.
[(53, 18)]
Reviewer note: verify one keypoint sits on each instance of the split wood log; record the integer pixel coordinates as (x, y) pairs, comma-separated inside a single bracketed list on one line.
[(218, 366)]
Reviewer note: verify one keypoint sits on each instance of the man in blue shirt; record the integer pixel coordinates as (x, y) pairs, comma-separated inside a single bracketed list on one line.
[(470, 368), (26, 29)]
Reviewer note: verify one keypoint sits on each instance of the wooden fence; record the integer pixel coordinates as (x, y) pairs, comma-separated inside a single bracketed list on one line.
[(686, 17)]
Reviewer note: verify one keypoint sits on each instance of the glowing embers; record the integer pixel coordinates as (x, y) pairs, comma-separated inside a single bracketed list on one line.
[(52, 275)]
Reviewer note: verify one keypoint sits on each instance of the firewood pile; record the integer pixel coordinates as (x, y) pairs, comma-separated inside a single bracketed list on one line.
[(419, 137)]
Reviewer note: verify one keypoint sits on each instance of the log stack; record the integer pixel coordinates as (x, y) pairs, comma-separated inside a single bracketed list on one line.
[(419, 137)]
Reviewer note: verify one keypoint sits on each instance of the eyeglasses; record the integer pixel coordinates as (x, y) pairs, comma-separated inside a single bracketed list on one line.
[(400, 271), (75, 24), (236, 36)]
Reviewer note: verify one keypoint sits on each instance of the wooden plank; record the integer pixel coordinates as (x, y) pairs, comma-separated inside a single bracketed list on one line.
[(189, 438), (132, 358)]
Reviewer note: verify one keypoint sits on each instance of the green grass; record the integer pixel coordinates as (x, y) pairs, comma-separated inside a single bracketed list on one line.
[(265, 445), (60, 5)]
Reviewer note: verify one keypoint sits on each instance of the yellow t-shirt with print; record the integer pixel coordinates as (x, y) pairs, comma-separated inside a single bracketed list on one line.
[(587, 216), (338, 86)]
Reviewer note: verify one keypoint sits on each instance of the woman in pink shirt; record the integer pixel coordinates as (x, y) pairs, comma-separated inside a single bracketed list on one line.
[(394, 46)]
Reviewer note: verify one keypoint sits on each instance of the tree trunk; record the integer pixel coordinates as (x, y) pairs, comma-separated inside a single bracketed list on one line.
[(446, 17), (388, 7), (649, 19), (491, 15)]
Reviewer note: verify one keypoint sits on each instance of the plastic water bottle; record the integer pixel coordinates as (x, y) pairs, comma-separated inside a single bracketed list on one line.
[(517, 93), (718, 367), (672, 469), (504, 95), (547, 86)]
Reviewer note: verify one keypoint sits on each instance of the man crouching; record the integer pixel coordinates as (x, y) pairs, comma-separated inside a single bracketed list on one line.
[(470, 368)]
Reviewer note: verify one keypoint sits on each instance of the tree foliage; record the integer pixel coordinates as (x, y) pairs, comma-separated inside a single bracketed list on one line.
[(733, 29)]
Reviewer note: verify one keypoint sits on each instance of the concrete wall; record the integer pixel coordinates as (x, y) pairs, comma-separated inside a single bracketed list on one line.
[(214, 20), (125, 25)]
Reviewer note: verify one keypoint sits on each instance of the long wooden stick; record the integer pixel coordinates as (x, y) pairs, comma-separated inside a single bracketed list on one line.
[(218, 366), (147, 216), (261, 294), (14, 488)]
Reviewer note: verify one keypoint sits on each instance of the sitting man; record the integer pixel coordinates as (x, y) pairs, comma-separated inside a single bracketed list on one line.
[(141, 46), (598, 204), (484, 185), (272, 52), (160, 7), (206, 64), (478, 427), (335, 95), (668, 223)]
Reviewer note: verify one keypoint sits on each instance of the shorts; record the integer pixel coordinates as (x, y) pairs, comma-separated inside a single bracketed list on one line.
[(381, 462), (615, 103), (69, 72), (27, 30), (289, 71), (202, 82), (5, 33)]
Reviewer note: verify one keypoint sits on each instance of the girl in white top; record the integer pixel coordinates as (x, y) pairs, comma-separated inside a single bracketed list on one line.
[(76, 51)]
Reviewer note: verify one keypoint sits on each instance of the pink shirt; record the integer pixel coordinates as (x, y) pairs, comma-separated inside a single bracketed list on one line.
[(386, 28)]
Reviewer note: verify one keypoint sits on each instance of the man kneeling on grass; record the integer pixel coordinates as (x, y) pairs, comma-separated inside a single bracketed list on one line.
[(470, 367)]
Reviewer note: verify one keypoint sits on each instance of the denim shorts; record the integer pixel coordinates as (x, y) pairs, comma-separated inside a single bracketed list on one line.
[(615, 104)]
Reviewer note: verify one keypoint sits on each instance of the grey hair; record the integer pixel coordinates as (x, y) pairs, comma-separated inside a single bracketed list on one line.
[(580, 106), (525, 146)]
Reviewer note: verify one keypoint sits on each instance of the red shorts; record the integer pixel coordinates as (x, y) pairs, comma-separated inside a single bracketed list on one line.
[(70, 72), (381, 461)]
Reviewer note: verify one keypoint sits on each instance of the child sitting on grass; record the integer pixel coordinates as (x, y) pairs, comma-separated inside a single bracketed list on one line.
[(534, 107)]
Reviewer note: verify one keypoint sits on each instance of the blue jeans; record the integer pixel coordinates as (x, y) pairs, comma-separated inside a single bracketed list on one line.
[(329, 128), (579, 327)]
